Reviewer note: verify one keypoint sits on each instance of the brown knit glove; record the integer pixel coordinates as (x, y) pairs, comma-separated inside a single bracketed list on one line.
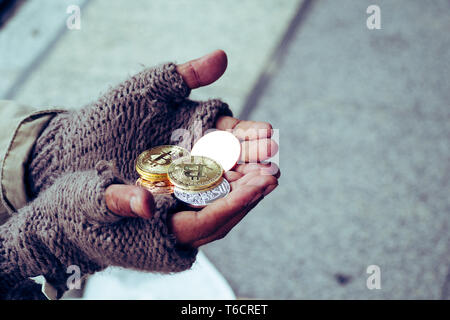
[(69, 224), (140, 113)]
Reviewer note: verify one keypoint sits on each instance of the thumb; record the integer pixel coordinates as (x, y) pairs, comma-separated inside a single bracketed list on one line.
[(129, 201), (205, 70)]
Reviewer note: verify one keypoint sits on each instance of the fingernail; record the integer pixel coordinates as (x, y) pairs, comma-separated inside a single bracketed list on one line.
[(135, 205)]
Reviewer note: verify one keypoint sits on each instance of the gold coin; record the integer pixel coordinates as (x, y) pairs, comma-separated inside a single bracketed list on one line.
[(151, 177), (208, 188), (194, 173), (162, 187), (159, 184), (153, 164)]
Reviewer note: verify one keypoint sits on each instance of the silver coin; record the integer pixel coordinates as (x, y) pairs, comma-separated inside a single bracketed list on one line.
[(203, 198)]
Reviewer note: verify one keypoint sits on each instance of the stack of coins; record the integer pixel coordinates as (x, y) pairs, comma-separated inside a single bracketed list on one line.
[(152, 166), (197, 180)]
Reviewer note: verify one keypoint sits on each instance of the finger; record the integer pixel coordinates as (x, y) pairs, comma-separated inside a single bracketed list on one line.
[(232, 176), (245, 172), (250, 177), (205, 70), (258, 150), (244, 180), (269, 168), (225, 229), (190, 226), (129, 201), (245, 130), (265, 181), (269, 189)]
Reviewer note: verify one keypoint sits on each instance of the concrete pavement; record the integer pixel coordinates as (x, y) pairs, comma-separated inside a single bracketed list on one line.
[(364, 121)]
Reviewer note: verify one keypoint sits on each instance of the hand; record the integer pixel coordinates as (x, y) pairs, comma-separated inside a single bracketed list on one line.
[(250, 182), (81, 160)]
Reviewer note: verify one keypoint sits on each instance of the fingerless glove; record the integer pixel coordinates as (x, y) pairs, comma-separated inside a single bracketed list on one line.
[(140, 113), (69, 224)]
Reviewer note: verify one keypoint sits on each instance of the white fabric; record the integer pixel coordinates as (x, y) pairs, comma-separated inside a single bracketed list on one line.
[(202, 281)]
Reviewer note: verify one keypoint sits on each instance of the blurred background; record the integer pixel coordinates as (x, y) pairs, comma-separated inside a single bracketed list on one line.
[(363, 118)]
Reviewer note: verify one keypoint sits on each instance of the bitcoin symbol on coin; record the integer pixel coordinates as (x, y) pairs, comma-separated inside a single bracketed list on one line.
[(163, 159), (195, 171), (153, 163)]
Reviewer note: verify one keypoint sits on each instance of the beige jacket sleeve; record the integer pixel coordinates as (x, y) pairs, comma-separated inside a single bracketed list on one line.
[(20, 126)]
